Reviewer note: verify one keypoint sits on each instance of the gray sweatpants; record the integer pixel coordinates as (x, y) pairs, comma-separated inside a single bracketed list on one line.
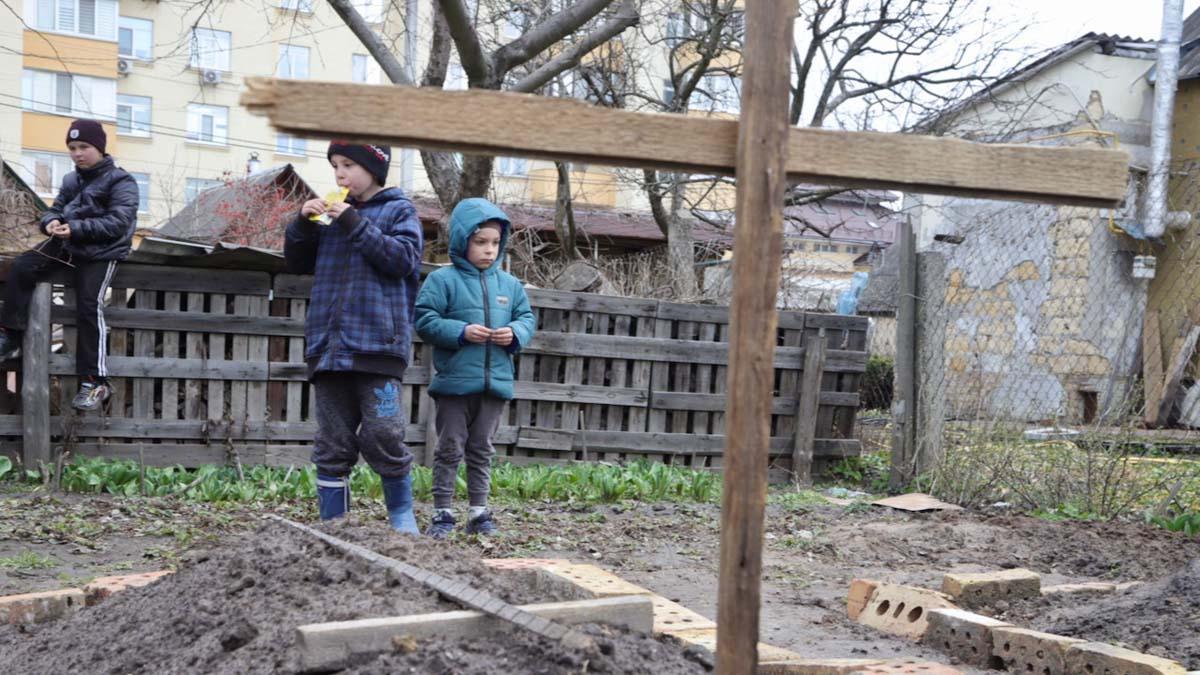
[(465, 425), (360, 413)]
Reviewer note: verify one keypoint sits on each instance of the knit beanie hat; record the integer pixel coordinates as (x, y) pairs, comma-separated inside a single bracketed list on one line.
[(374, 158), (88, 131)]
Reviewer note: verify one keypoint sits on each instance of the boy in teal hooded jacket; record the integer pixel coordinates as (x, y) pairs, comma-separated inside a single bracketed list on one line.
[(476, 316)]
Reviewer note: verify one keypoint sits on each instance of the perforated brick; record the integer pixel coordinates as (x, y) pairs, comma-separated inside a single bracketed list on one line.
[(901, 610), (964, 635), (1094, 658), (1029, 651), (974, 590)]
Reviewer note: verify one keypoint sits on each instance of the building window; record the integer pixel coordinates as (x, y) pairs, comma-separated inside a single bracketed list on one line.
[(194, 186), (93, 18), (208, 124), (678, 26), (44, 171), (133, 115), (288, 144), (370, 10), (293, 62), (79, 95), (724, 92), (512, 166), (143, 183), (135, 38), (210, 49), (456, 77), (296, 5), (364, 70), (825, 248), (668, 92)]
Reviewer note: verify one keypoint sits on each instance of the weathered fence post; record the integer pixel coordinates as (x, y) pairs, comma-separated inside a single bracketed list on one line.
[(904, 392), (35, 381), (808, 401)]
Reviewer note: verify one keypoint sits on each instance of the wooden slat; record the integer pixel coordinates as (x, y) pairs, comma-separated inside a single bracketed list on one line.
[(193, 388), (170, 350), (152, 319), (617, 374), (118, 342), (639, 373), (295, 354), (257, 351), (781, 405), (590, 302), (183, 279), (143, 347), (656, 420), (573, 371), (1152, 365), (704, 380), (805, 427), (597, 371), (216, 352), (504, 123), (552, 320), (35, 385)]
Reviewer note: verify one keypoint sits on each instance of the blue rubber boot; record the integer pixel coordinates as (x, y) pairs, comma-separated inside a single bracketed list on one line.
[(397, 495), (333, 493)]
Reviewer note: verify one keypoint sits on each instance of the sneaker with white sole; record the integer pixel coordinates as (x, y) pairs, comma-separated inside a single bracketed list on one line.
[(91, 396)]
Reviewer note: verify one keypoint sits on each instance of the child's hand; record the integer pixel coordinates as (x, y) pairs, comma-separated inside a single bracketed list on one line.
[(60, 230), (477, 334), (336, 210), (313, 207), (502, 336)]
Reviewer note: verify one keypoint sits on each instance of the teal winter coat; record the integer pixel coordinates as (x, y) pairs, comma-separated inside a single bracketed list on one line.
[(462, 294)]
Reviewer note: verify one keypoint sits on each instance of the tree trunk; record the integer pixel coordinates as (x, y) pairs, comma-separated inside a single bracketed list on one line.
[(564, 213), (681, 249), (440, 167)]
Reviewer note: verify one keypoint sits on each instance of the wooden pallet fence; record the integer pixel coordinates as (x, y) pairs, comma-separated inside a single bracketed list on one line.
[(208, 367)]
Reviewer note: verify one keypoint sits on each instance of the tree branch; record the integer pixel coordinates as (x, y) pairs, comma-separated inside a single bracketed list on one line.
[(470, 50), (539, 38), (374, 45), (626, 16)]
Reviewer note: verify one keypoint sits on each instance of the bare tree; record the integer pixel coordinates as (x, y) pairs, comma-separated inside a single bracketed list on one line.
[(554, 36)]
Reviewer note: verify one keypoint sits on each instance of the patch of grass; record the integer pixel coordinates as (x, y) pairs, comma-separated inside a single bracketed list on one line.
[(27, 560)]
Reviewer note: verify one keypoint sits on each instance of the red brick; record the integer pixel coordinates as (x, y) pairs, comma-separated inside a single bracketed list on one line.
[(104, 587), (38, 607)]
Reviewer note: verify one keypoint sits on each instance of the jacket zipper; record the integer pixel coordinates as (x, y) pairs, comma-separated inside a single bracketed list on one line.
[(487, 346)]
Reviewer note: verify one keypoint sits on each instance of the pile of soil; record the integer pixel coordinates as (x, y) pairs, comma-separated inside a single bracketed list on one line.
[(1160, 618), (234, 609)]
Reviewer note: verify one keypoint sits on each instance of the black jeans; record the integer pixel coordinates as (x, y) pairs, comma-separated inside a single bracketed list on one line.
[(92, 278)]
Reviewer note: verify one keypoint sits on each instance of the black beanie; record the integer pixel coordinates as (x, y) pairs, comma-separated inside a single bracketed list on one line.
[(88, 131), (374, 158)]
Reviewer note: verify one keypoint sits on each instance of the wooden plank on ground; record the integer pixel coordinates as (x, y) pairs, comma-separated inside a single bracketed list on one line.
[(504, 123)]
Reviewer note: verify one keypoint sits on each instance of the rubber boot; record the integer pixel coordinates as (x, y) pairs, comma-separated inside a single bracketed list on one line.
[(397, 495), (333, 494)]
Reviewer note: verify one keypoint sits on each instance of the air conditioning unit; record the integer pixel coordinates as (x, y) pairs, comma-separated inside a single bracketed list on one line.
[(210, 77), (123, 66)]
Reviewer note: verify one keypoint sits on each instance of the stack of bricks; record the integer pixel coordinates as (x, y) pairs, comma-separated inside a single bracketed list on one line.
[(29, 608)]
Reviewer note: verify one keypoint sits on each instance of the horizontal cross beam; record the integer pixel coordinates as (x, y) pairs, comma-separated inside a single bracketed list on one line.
[(523, 125)]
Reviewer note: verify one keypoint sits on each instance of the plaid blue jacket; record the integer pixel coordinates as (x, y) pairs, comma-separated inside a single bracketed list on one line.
[(365, 285)]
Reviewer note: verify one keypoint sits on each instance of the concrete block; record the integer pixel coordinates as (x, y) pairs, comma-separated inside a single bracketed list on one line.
[(1094, 658), (671, 617), (981, 589), (38, 607), (327, 646), (910, 668), (901, 610), (860, 594), (104, 587), (599, 582), (815, 666), (707, 638), (964, 635), (1029, 651), (523, 563)]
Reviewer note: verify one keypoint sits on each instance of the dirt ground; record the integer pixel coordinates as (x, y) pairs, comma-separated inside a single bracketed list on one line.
[(813, 552)]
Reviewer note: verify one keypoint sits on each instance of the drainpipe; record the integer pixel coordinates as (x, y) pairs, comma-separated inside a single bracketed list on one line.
[(1166, 77)]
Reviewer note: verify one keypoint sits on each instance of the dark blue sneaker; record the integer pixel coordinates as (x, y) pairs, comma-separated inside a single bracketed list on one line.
[(482, 525), (441, 526)]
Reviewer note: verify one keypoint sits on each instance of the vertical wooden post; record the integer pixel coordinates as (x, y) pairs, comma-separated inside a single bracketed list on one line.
[(758, 247), (808, 401), (904, 397), (35, 381)]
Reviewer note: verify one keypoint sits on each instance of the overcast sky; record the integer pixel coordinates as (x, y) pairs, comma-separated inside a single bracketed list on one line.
[(1063, 20)]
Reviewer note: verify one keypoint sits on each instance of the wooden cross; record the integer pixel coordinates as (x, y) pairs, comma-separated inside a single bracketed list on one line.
[(765, 154)]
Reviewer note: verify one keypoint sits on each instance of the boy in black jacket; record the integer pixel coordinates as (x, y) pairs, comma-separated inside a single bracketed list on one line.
[(90, 227)]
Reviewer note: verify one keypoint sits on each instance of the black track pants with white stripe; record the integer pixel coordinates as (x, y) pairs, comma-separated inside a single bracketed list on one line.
[(92, 278)]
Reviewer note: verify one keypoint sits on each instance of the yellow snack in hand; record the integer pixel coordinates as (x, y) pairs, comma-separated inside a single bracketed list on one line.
[(335, 197)]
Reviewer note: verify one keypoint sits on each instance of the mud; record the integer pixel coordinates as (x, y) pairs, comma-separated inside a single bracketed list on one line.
[(235, 607)]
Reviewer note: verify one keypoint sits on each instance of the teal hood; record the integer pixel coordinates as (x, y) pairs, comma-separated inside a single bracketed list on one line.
[(466, 218)]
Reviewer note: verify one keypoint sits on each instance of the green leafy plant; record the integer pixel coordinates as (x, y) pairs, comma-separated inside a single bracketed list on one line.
[(28, 560), (6, 467)]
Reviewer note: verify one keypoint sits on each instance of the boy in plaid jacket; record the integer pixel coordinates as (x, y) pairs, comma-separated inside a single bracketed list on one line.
[(367, 265)]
